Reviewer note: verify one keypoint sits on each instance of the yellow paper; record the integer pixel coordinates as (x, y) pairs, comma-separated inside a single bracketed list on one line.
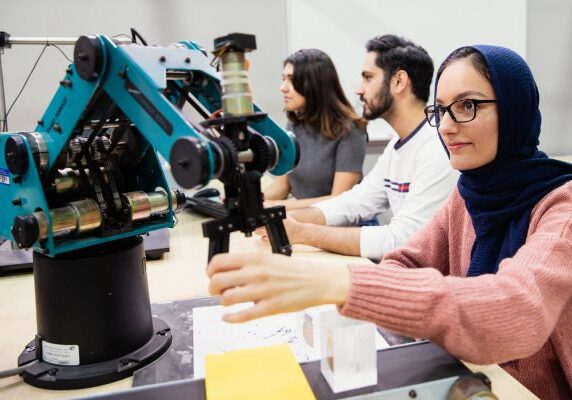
[(269, 372)]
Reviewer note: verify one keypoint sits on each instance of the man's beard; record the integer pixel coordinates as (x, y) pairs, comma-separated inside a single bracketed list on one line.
[(381, 106)]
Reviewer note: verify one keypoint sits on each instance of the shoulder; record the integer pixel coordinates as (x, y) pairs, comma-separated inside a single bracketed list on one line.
[(357, 135), (554, 211), (430, 146), (307, 135), (426, 150), (424, 140), (560, 198), (355, 132), (428, 136), (298, 128), (357, 128), (389, 147), (456, 203)]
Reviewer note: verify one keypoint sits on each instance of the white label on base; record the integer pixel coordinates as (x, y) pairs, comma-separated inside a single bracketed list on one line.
[(60, 354)]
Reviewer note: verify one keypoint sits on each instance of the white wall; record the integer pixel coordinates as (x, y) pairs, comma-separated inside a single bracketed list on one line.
[(540, 30), (160, 22), (549, 53), (341, 28)]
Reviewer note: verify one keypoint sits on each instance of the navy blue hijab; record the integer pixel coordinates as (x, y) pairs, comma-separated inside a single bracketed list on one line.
[(499, 196)]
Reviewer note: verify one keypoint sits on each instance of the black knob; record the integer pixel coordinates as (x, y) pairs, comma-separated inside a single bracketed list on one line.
[(16, 155), (4, 40), (236, 41), (88, 57), (25, 230), (189, 163)]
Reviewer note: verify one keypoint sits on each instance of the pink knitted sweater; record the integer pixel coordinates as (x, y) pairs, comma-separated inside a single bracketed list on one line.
[(521, 317)]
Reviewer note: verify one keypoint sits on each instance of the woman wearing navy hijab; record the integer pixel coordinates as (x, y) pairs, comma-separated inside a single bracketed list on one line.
[(489, 278)]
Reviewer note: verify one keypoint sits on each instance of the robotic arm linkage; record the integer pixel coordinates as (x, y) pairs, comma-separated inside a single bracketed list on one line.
[(89, 172)]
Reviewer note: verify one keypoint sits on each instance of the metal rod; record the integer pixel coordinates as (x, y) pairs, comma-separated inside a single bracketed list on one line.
[(50, 41), (3, 122), (178, 75), (245, 156), (42, 40), (94, 123)]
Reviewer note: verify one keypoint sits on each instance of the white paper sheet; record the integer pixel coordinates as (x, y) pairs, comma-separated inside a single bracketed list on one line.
[(212, 335)]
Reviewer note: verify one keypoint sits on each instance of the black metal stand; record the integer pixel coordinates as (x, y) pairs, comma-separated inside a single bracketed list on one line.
[(218, 231), (93, 316), (246, 213)]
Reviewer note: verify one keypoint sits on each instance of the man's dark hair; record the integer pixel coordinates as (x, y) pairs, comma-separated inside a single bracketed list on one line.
[(395, 53)]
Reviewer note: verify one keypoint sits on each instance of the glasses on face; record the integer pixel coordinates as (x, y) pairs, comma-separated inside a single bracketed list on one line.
[(461, 111)]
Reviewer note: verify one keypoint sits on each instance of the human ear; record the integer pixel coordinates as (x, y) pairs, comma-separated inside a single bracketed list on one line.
[(399, 81)]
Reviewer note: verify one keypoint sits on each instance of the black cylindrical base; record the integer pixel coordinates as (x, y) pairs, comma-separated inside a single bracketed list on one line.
[(61, 377), (93, 313)]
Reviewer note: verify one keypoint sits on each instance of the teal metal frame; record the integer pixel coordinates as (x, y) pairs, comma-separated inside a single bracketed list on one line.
[(146, 70)]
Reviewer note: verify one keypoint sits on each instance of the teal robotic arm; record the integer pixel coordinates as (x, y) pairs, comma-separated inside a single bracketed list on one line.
[(84, 185), (89, 172)]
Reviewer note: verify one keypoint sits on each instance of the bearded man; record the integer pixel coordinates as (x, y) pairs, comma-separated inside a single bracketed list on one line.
[(412, 176)]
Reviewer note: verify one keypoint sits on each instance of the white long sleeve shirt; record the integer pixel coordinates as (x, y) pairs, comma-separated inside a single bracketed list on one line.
[(412, 178)]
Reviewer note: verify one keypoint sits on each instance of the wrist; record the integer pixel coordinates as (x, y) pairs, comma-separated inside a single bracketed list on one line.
[(337, 287), (302, 234)]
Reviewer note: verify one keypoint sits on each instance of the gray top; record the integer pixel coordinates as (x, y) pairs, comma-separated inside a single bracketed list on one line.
[(321, 158)]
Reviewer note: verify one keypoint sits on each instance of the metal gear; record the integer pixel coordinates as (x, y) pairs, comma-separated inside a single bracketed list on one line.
[(265, 153), (228, 157)]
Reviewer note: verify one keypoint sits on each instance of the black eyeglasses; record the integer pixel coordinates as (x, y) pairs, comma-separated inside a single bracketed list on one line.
[(464, 110)]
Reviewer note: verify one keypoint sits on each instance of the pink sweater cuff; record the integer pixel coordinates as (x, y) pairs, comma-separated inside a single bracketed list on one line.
[(399, 299)]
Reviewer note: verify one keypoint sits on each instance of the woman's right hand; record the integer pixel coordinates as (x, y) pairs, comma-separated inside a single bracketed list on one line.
[(274, 283)]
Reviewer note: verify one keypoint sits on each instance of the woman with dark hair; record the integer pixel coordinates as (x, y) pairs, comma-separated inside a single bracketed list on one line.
[(331, 135), (489, 278)]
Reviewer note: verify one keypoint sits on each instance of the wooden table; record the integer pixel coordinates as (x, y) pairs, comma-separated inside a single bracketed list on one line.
[(180, 274)]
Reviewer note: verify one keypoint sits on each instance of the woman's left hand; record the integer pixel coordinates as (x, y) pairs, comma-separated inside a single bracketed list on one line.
[(275, 283)]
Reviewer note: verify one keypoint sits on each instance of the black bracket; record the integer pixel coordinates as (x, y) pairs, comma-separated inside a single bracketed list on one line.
[(218, 231), (246, 213)]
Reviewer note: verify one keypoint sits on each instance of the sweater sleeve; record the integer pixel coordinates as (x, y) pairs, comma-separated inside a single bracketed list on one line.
[(484, 319)]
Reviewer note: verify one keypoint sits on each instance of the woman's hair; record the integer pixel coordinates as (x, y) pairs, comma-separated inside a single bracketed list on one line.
[(473, 56), (327, 109)]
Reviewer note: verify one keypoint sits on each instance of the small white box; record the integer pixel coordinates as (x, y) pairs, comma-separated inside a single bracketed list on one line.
[(349, 357)]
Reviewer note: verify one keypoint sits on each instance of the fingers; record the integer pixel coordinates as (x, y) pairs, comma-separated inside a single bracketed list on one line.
[(271, 203), (223, 281), (261, 232), (258, 310), (228, 262), (242, 294), (254, 277), (215, 114)]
